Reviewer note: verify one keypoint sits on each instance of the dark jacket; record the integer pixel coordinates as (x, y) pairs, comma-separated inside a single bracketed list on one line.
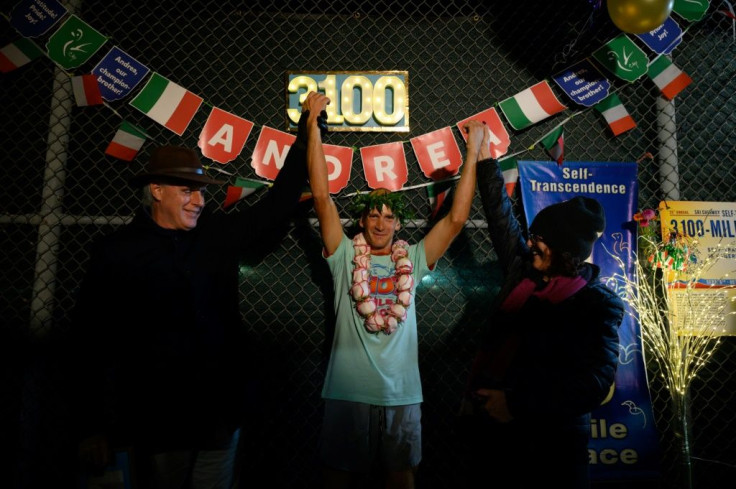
[(556, 362), (160, 346)]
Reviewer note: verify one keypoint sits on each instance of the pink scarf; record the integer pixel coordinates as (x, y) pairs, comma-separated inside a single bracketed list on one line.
[(556, 290)]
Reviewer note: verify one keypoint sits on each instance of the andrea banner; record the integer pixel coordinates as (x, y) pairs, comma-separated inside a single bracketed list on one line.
[(624, 441)]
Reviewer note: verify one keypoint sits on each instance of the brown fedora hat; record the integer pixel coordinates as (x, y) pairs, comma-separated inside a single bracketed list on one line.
[(174, 163)]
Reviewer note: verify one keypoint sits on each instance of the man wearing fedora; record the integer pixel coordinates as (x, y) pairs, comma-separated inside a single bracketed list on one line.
[(157, 325)]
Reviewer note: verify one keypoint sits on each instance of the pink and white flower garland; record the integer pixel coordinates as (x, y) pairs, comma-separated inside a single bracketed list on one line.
[(360, 291)]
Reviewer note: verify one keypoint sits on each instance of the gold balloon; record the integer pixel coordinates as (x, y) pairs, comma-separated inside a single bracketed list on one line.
[(639, 16)]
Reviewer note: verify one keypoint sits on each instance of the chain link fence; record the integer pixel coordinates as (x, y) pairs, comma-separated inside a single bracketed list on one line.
[(60, 192)]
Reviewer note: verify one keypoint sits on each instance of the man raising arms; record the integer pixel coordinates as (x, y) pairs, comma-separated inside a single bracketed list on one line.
[(372, 388)]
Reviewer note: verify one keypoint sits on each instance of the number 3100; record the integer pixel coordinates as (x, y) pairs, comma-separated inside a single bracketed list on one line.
[(376, 101)]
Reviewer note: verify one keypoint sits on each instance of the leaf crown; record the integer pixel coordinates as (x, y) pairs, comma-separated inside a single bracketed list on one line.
[(364, 202)]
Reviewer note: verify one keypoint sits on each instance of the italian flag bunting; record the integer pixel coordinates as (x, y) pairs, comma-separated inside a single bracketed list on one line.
[(86, 90), (437, 193), (242, 188), (616, 115), (306, 194), (126, 143), (17, 54), (554, 144), (167, 103), (669, 78), (510, 170), (531, 106)]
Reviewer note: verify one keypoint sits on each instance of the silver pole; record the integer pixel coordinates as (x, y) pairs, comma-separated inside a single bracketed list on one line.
[(51, 212), (669, 171)]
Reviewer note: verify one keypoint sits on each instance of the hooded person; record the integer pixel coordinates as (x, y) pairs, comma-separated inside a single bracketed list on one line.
[(571, 227), (549, 352)]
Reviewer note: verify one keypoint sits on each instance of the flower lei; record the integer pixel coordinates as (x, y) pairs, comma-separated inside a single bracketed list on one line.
[(360, 291)]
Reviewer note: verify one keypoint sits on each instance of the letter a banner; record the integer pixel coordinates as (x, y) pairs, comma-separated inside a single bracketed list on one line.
[(499, 141), (223, 136), (624, 440)]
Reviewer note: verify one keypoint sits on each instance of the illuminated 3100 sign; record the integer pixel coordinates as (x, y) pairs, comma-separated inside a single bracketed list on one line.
[(359, 101)]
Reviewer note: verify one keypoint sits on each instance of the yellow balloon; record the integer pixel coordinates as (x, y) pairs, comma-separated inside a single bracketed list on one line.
[(639, 16)]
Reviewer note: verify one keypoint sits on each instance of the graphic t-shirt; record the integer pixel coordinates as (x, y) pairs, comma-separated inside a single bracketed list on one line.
[(373, 368)]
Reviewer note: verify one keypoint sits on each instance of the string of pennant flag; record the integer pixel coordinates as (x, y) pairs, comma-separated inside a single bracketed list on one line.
[(174, 107)]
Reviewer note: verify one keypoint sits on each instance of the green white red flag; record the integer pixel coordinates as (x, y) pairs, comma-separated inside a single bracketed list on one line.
[(554, 144), (86, 90), (167, 103), (17, 54), (437, 193), (126, 143), (616, 115), (510, 171), (306, 194), (242, 188), (669, 78), (530, 106)]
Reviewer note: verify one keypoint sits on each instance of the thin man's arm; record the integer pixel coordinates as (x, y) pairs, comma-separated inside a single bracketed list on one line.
[(327, 215), (444, 232)]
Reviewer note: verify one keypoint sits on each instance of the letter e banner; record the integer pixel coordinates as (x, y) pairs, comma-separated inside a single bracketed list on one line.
[(438, 154)]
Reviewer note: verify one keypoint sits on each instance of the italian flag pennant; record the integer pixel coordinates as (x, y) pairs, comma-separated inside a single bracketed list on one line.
[(510, 170), (242, 188), (554, 144), (437, 193), (727, 13), (167, 103), (669, 78), (17, 54), (616, 115), (126, 143), (530, 106), (306, 194), (86, 90)]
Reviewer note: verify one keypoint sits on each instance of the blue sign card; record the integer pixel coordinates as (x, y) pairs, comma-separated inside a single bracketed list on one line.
[(583, 83), (665, 38), (118, 74), (33, 18)]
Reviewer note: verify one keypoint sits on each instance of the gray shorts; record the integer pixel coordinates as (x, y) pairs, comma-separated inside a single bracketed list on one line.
[(358, 437)]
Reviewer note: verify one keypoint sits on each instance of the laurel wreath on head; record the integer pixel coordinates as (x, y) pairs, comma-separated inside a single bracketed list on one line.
[(364, 202)]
